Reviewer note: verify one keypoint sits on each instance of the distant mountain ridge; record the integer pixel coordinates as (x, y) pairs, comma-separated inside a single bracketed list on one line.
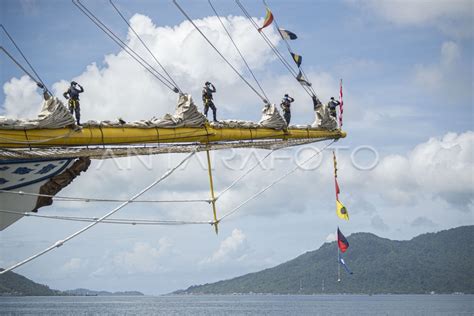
[(439, 262), (13, 284), (87, 292)]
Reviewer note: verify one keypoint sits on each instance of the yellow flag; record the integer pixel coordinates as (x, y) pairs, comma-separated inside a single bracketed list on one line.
[(341, 211)]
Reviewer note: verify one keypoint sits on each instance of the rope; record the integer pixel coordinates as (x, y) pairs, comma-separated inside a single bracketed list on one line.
[(59, 243), (143, 43), (238, 50), (19, 65), (245, 174), (115, 152), (220, 54), (235, 209), (123, 221), (124, 46), (273, 48), (85, 199), (288, 47), (24, 57)]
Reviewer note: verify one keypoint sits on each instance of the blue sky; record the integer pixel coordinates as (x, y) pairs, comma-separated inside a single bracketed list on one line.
[(407, 69)]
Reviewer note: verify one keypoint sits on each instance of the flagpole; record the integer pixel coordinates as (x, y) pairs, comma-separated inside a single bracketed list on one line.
[(338, 264)]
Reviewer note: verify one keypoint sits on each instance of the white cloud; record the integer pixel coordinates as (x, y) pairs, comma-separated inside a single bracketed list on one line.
[(450, 53), (73, 265), (21, 98), (232, 248), (142, 258), (441, 167), (440, 13), (444, 75)]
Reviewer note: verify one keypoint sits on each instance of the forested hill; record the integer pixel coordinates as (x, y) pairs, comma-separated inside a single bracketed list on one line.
[(12, 283), (441, 262)]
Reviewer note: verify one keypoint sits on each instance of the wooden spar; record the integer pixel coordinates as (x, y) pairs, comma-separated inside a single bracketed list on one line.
[(213, 199), (87, 136)]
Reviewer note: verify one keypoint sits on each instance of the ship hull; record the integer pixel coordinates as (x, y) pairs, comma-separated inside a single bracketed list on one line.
[(25, 176)]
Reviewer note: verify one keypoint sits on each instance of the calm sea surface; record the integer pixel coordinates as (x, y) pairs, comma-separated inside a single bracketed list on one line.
[(241, 305)]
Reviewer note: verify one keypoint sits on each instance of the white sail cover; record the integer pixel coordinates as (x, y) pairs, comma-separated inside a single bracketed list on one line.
[(234, 124), (271, 118), (186, 115), (323, 119), (53, 115)]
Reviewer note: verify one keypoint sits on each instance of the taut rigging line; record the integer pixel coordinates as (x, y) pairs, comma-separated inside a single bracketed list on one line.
[(123, 221), (220, 54), (238, 50), (59, 243), (273, 48), (144, 45), (165, 81), (36, 79), (288, 47), (19, 65), (235, 209)]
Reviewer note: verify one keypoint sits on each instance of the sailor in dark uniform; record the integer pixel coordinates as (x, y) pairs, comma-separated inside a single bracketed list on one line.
[(72, 94), (285, 105), (207, 99)]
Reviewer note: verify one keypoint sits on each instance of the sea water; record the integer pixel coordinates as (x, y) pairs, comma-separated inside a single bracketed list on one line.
[(241, 305)]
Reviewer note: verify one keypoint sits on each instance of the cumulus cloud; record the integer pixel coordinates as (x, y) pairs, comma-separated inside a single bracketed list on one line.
[(444, 75), (450, 53), (440, 13), (142, 258), (21, 98), (73, 265), (232, 248), (441, 167)]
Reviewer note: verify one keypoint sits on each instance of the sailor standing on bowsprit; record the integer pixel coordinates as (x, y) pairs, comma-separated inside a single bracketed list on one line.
[(332, 104), (285, 105), (72, 94), (207, 98)]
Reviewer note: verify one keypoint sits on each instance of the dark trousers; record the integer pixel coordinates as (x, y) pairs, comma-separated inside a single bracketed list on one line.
[(209, 104), (287, 116), (75, 108)]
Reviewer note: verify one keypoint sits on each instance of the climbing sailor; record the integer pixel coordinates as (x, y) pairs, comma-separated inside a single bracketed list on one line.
[(207, 98), (332, 107), (72, 94), (285, 105)]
